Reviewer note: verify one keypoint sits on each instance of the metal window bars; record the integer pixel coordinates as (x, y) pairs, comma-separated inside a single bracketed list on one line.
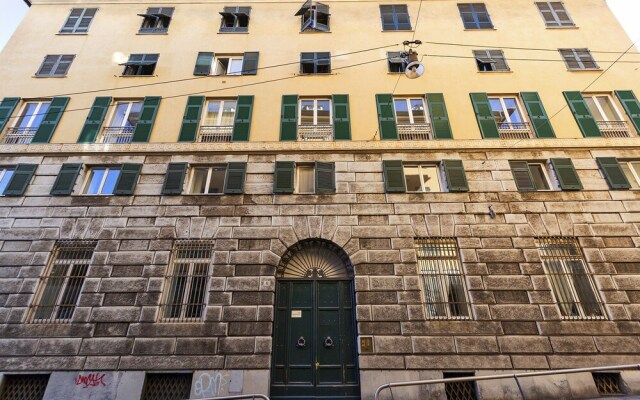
[(19, 135), (117, 134), (215, 133), (607, 383), (614, 129), (24, 387), (310, 133), (515, 130), (167, 386), (465, 390), (416, 131), (185, 292), (61, 285), (443, 283)]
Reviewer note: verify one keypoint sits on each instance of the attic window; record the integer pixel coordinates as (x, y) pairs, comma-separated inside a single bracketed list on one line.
[(315, 16), (156, 20), (235, 19)]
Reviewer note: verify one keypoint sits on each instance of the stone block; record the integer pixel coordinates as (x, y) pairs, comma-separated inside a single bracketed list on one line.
[(476, 344), (524, 344), (18, 347), (106, 346)]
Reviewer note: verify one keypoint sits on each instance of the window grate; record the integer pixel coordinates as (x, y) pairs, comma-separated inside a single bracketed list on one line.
[(61, 285), (167, 386), (460, 390), (443, 283), (24, 387), (186, 284), (607, 382)]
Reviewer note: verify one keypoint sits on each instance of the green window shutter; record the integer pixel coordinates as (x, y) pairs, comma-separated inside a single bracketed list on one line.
[(537, 115), (613, 173), (284, 177), (484, 115), (147, 118), (191, 119), (439, 116), (581, 113), (250, 63), (94, 120), (20, 179), (234, 181), (289, 118), (456, 177), (203, 64), (127, 179), (522, 176), (325, 177), (394, 176), (50, 120), (174, 178), (386, 117), (567, 175), (630, 104), (341, 117), (66, 180), (7, 106), (242, 123)]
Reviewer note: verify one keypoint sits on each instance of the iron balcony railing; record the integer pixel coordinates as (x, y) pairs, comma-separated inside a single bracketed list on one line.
[(614, 129), (315, 133), (19, 135), (415, 131), (117, 134), (215, 134), (515, 130)]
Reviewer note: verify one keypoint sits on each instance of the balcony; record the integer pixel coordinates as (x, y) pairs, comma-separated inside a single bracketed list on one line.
[(614, 129), (117, 134), (215, 134), (315, 133), (415, 132), (515, 130), (19, 135)]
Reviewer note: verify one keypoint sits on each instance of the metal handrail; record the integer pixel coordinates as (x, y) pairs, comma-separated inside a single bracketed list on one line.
[(240, 396), (503, 376)]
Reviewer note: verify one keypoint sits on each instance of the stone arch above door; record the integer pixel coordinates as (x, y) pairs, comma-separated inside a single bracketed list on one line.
[(315, 259)]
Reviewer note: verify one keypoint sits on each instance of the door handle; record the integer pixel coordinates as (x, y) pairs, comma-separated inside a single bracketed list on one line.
[(301, 342), (328, 342)]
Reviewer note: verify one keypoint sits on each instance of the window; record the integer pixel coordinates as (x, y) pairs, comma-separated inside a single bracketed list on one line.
[(79, 20), (166, 386), (315, 112), (460, 390), (570, 280), (315, 63), (475, 16), (124, 118), (101, 180), (507, 112), (217, 120), (186, 283), (490, 60), (55, 65), (24, 386), (5, 176), (395, 18), (304, 178), (315, 16), (631, 170), (140, 65), (235, 19), (208, 180), (156, 20), (530, 175), (602, 107), (27, 123), (396, 62), (578, 59), (554, 14), (422, 178), (61, 284), (410, 110), (443, 283), (228, 65), (447, 175), (608, 383)]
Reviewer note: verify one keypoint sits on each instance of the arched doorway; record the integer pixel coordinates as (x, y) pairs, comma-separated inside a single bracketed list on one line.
[(314, 340)]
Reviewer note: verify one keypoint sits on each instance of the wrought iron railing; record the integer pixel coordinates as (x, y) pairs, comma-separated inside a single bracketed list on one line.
[(614, 129), (215, 134), (307, 133), (415, 132), (117, 134), (19, 135), (515, 130)]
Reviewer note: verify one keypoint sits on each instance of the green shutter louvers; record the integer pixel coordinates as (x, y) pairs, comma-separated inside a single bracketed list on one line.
[(94, 120), (51, 119), (455, 175), (250, 63), (7, 106), (394, 176), (325, 177), (522, 176), (289, 118), (439, 117), (631, 106), (283, 178), (191, 119), (203, 64), (484, 115), (581, 113), (20, 180), (537, 114), (566, 173), (242, 122), (142, 132), (341, 117), (613, 173), (66, 179), (234, 180), (174, 178), (127, 179), (386, 117)]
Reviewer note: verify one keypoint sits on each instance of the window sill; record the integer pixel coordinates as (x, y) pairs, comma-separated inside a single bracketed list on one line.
[(233, 33), (479, 29), (48, 76), (72, 34), (136, 76), (314, 31), (495, 72), (585, 70), (152, 33), (561, 27), (398, 30)]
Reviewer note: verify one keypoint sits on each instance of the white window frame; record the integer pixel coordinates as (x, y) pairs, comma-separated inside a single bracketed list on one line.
[(427, 117), (315, 110), (504, 108), (299, 167), (23, 110), (89, 173), (114, 112), (3, 172), (438, 167), (192, 174), (231, 58), (546, 174), (218, 121), (634, 175), (556, 19), (603, 115)]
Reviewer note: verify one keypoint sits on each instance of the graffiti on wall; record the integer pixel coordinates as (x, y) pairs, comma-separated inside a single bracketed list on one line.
[(90, 380), (211, 384)]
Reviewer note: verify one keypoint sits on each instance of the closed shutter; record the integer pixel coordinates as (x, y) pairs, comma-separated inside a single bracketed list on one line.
[(72, 20), (94, 120), (631, 106), (613, 173), (47, 66), (147, 118), (456, 177), (242, 123), (439, 116), (522, 176), (66, 180), (341, 117), (203, 64), (484, 115), (191, 119), (250, 63), (7, 106), (63, 65), (283, 179), (50, 120), (567, 175), (394, 176), (325, 177), (21, 177), (174, 178), (581, 113), (289, 118), (234, 181), (127, 179), (537, 115), (386, 117)]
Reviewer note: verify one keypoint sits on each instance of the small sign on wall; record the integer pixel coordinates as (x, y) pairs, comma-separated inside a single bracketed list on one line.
[(366, 344), (296, 313)]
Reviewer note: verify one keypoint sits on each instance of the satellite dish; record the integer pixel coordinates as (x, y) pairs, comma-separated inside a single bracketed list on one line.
[(414, 70)]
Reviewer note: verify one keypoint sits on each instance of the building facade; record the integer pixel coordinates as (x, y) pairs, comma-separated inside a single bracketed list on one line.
[(209, 198)]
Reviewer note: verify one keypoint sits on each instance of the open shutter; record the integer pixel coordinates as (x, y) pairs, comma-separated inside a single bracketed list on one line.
[(127, 179), (386, 117), (242, 123), (289, 118), (20, 179), (394, 176), (537, 115), (191, 119), (7, 106), (234, 181), (439, 116), (283, 177), (631, 106), (147, 118), (50, 121), (203, 63), (325, 177), (567, 175), (250, 63), (174, 178), (341, 118), (484, 115), (66, 180), (522, 176), (613, 173), (94, 120), (456, 178), (581, 113)]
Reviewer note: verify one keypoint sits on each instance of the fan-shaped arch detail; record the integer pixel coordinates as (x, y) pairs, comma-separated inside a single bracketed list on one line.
[(315, 259)]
